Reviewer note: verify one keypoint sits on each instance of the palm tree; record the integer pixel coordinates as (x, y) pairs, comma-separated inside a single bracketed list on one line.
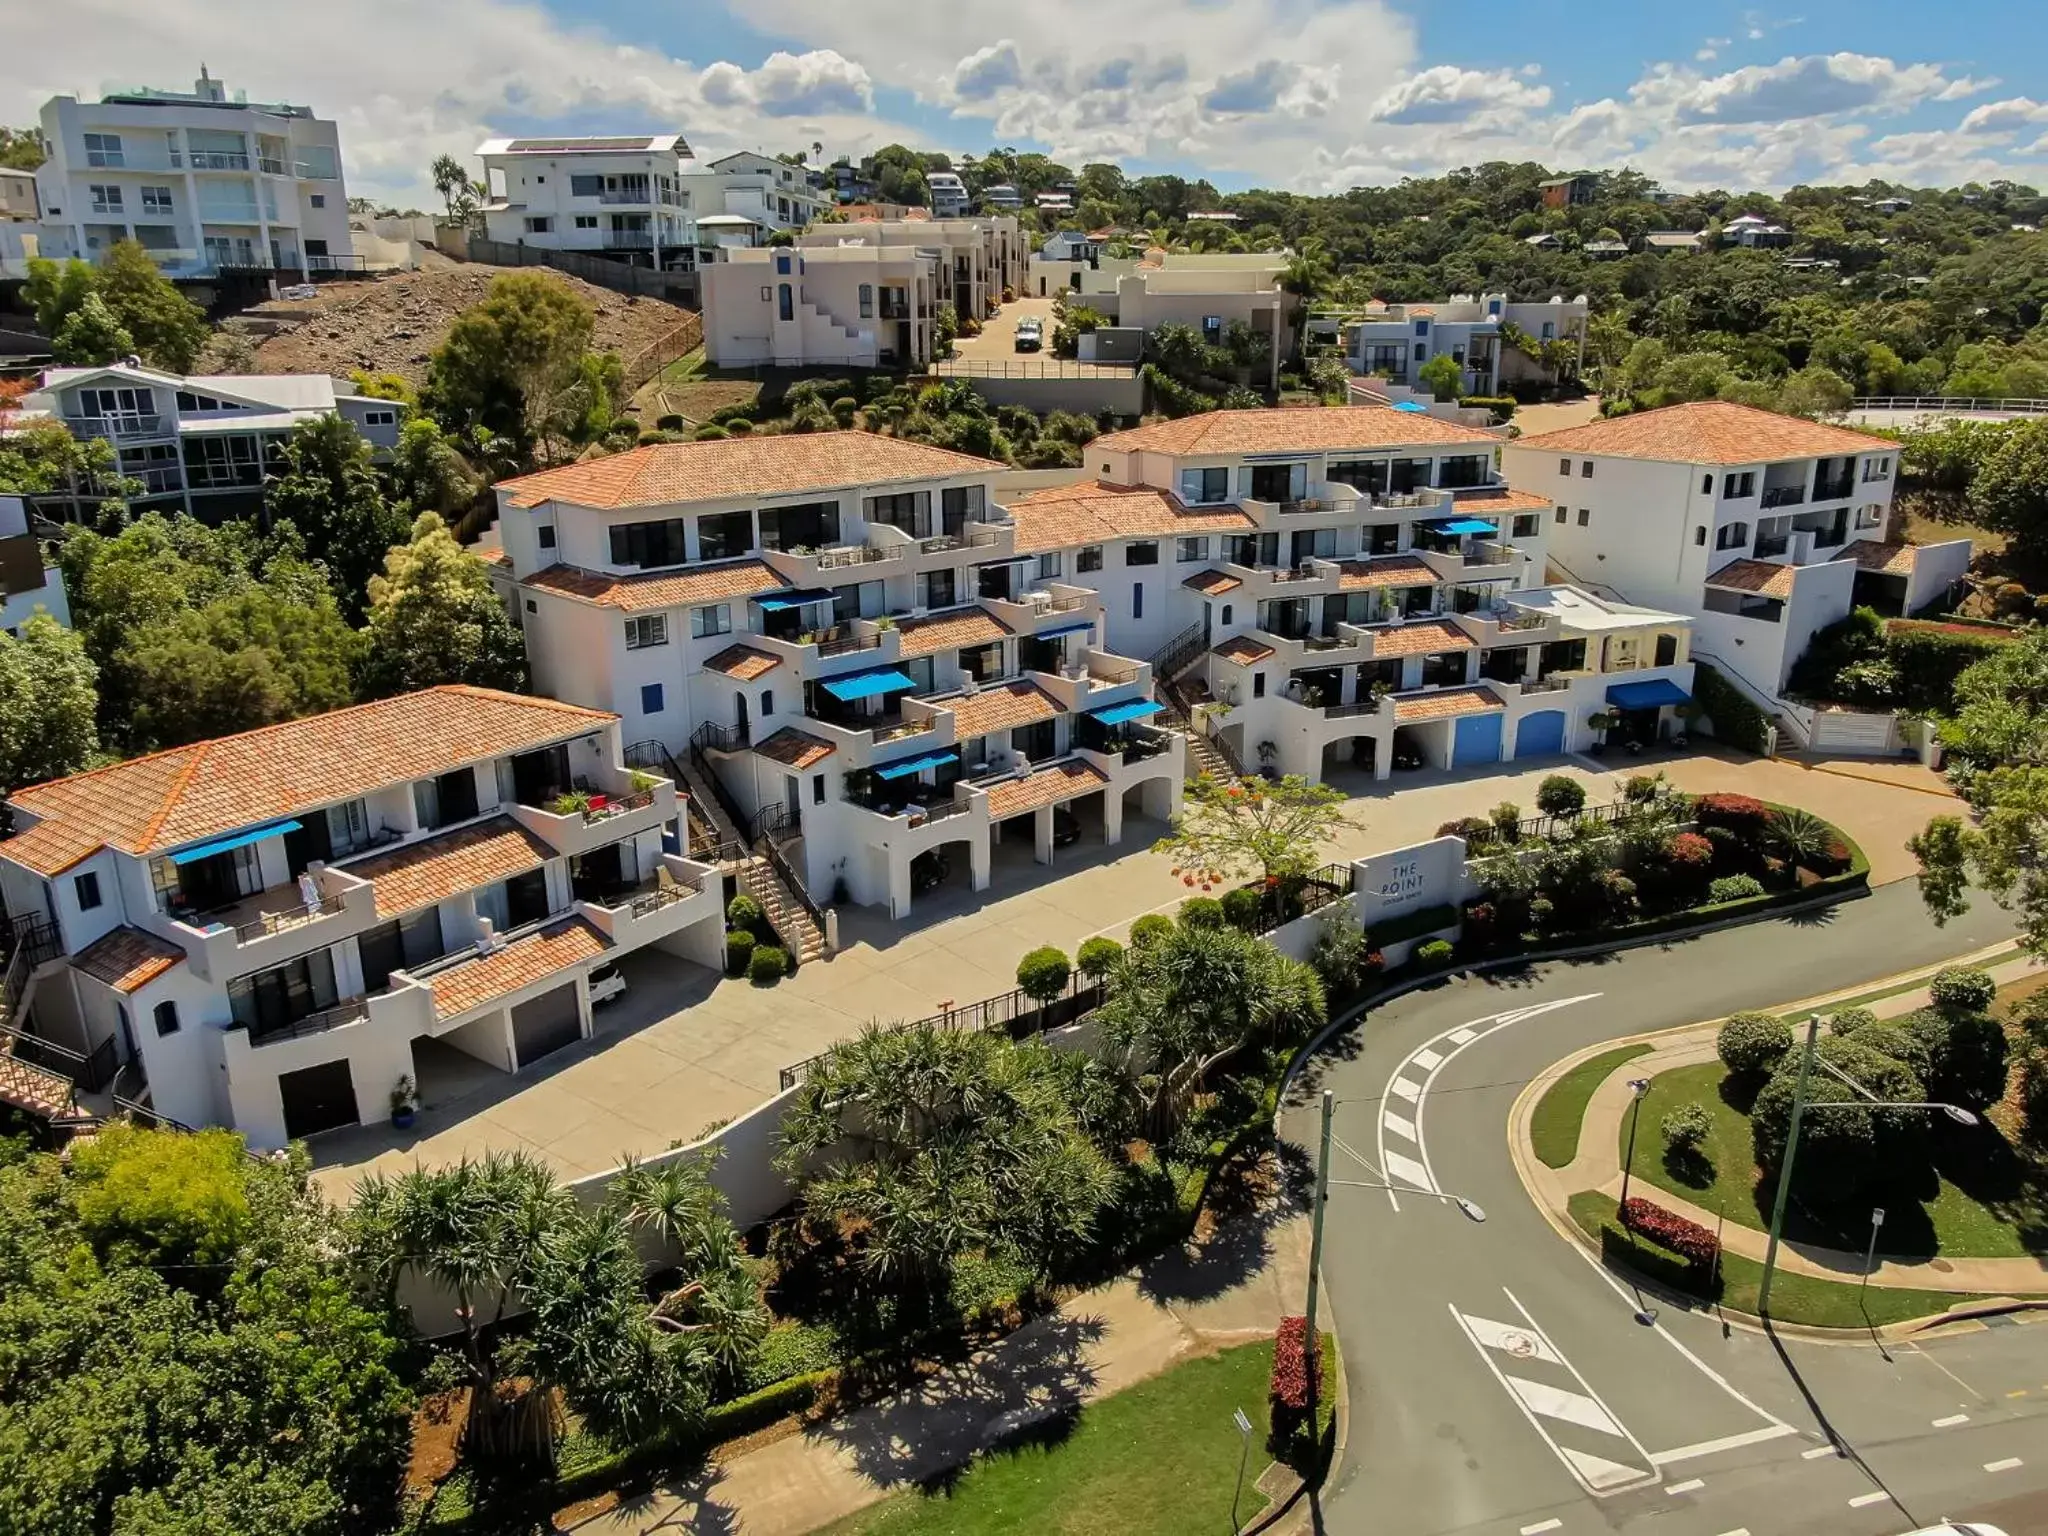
[(1800, 838), (448, 177)]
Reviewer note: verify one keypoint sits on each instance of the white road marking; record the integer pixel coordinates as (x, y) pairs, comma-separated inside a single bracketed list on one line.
[(1875, 1496), (1577, 1375), (1598, 1473), (1540, 1527), (1401, 1088), (2005, 1465), (1510, 1339), (1952, 1420), (1405, 1170), (1428, 1060), (1728, 1443), (1557, 1403), (1740, 1530), (1463, 1037), (1819, 1451), (1397, 1125), (1690, 1485)]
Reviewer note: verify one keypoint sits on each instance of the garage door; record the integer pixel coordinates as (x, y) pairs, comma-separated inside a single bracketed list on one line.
[(1540, 735), (1478, 741), (545, 1023), (317, 1099)]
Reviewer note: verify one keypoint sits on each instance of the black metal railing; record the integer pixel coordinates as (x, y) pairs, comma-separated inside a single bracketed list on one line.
[(1784, 495), (351, 1010), (792, 881), (1177, 652), (1532, 828), (1835, 490), (149, 1118)]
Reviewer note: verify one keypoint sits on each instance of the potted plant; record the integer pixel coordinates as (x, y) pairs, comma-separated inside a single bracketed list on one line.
[(1602, 721), (404, 1103), (641, 782), (573, 802), (885, 622)]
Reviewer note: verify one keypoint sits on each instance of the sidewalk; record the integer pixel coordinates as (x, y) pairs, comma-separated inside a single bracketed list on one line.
[(1234, 1289), (1596, 1165)]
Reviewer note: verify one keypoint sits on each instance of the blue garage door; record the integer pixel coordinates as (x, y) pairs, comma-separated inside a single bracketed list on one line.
[(1478, 741), (1540, 735)]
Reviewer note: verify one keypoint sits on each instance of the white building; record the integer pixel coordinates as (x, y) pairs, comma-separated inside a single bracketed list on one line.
[(202, 181), (1395, 340), (948, 194), (978, 259), (854, 305), (271, 931), (1762, 528), (626, 197), (26, 583), (1755, 232), (1002, 197), (199, 443), (770, 194)]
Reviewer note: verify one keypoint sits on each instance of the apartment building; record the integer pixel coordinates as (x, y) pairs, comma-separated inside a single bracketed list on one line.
[(855, 305), (948, 194), (1394, 341), (845, 635), (627, 197), (978, 259), (18, 201), (1761, 528), (26, 583), (271, 931), (204, 181), (771, 194), (198, 443)]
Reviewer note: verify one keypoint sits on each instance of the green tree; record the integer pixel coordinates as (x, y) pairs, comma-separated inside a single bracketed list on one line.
[(435, 618), (2010, 492), (1442, 377), (91, 336), (429, 473), (449, 178), (55, 289), (1272, 829), (329, 490), (509, 363), (48, 704), (21, 149), (40, 457), (170, 331)]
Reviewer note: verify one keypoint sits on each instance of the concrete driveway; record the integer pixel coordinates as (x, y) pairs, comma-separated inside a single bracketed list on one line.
[(995, 349)]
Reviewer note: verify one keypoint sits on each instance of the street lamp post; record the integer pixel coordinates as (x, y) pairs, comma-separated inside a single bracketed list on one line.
[(1870, 1258), (1640, 1087)]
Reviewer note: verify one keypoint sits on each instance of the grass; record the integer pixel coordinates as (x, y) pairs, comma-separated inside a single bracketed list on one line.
[(1794, 1298), (1878, 994), (1156, 1459), (1554, 1127), (1979, 1199)]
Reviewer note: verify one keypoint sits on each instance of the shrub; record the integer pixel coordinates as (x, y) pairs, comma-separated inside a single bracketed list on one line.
[(1930, 657), (1502, 406), (1848, 1020), (768, 965), (1642, 788), (1096, 958), (1751, 1044), (1507, 821), (1150, 928), (1667, 1229), (739, 949), (1734, 718), (1690, 854), (1242, 907), (1472, 829), (1042, 974), (1482, 925), (743, 912), (1433, 954), (1291, 1364), (1968, 1056), (710, 432), (1900, 1044), (1686, 1127), (1744, 815), (1734, 888), (2034, 1097), (1560, 795), (1844, 1150), (1962, 989), (1201, 912), (670, 421)]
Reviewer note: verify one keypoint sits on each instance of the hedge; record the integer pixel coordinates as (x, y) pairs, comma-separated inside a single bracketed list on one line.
[(1667, 1229), (1413, 925), (1735, 720), (1931, 656), (1291, 1364)]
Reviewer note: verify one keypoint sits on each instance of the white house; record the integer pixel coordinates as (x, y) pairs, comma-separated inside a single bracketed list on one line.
[(627, 197), (1762, 528), (199, 443), (1754, 232), (978, 259), (771, 194), (271, 931), (203, 181), (948, 194), (855, 305), (26, 583), (1396, 340)]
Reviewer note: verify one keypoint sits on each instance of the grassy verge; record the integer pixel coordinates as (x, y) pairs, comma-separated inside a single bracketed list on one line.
[(1795, 1298), (1554, 1127), (1156, 1459), (1878, 994)]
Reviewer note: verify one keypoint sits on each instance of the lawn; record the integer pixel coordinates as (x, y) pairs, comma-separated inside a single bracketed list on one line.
[(1554, 1127), (1979, 1201), (1160, 1458), (1794, 1298)]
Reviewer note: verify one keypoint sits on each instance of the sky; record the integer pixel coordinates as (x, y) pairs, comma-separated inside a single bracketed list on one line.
[(1307, 95)]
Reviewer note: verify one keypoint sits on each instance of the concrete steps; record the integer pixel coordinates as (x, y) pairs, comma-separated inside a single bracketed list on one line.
[(799, 933)]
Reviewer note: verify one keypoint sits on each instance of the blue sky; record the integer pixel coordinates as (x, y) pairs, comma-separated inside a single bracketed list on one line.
[(1309, 94)]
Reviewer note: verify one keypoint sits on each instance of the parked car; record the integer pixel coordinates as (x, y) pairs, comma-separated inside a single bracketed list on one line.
[(927, 870), (606, 985), (1066, 827), (1030, 335)]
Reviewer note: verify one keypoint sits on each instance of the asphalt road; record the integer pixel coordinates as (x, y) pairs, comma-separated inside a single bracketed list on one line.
[(1502, 1382)]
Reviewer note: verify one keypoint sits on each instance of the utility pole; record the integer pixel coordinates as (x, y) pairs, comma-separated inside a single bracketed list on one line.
[(1763, 1295), (1314, 1342)]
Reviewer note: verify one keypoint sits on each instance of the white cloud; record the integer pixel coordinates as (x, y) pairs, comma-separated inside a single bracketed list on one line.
[(1818, 85), (987, 70), (791, 85), (1447, 94), (2008, 116)]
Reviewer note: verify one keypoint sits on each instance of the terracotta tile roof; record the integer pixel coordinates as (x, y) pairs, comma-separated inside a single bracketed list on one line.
[(743, 663), (1386, 571), (1706, 432), (776, 465), (1048, 786), (1499, 499), (412, 877), (1212, 583), (949, 631), (1090, 512), (795, 749), (999, 709), (1419, 639), (1316, 429), (1243, 650), (168, 799), (1444, 704), (520, 963), (1885, 559), (724, 582), (51, 847), (1754, 576), (127, 959), (493, 556)]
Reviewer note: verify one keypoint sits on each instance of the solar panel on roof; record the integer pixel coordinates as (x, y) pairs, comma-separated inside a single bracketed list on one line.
[(564, 146)]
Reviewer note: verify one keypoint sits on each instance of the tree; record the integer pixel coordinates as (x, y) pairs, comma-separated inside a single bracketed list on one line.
[(170, 331), (1271, 828), (2010, 493), (55, 289), (429, 473), (435, 618), (328, 489), (449, 178), (509, 362), (91, 336), (1560, 795), (21, 149), (47, 703), (1042, 974), (1842, 1150), (40, 457), (1442, 377)]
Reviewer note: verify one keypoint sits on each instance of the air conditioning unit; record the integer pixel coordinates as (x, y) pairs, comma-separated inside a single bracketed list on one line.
[(971, 684)]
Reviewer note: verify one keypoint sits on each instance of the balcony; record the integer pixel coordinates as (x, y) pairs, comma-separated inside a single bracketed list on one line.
[(121, 428), (582, 819), (1776, 544), (1553, 682), (218, 160), (350, 1010), (269, 165), (629, 240), (162, 481), (1784, 495), (224, 477), (273, 926), (1490, 552), (638, 196), (1351, 711), (1841, 488), (679, 893), (306, 170)]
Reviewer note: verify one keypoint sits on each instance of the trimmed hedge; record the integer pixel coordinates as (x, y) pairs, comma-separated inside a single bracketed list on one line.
[(1433, 954), (1752, 1043), (1412, 925), (1291, 1364), (1152, 926), (739, 952), (1667, 1229), (1930, 657), (768, 965), (1735, 720)]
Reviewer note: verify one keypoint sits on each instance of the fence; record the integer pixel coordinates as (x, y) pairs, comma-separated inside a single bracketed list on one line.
[(685, 337), (1531, 828), (620, 276), (2018, 405), (1030, 368)]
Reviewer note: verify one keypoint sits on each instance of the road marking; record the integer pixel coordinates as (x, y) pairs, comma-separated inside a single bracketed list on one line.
[(1510, 1339), (1875, 1496), (1690, 1485), (1740, 1530), (1557, 1403), (1397, 1125), (1427, 1059), (1540, 1527), (1405, 1170), (1728, 1443), (1819, 1451), (1463, 1037), (2005, 1465), (1952, 1420), (1598, 1473), (2021, 1393), (1403, 1089)]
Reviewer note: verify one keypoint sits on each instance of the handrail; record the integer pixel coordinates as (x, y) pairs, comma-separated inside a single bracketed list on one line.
[(349, 1010), (2021, 403), (790, 880)]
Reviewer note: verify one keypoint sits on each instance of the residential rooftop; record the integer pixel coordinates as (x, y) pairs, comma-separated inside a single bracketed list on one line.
[(1317, 429), (1707, 432), (1090, 511)]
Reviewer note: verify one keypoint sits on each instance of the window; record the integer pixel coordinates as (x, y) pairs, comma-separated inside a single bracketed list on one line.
[(785, 301), (1526, 526), (767, 293), (87, 888), (1586, 470), (1141, 552), (546, 535), (724, 534), (317, 199), (1088, 558), (380, 418), (1706, 485), (158, 200), (532, 606), (103, 149), (867, 301), (649, 544), (817, 789), (782, 264), (650, 698), (586, 186), (714, 620), (586, 221), (1563, 515), (1699, 535), (767, 702), (1137, 600), (1734, 536), (1049, 566), (1869, 517), (1738, 486), (646, 631), (1422, 327), (1190, 549), (1564, 466), (539, 224), (105, 199), (1204, 485), (1877, 469), (1258, 685), (1422, 351), (166, 1017), (1212, 329), (1585, 516)]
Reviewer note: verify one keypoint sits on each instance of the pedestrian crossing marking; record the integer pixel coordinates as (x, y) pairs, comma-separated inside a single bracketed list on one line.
[(1406, 1171), (1403, 1089), (1397, 1125), (1597, 1472), (1461, 1036), (1427, 1059), (1572, 1407)]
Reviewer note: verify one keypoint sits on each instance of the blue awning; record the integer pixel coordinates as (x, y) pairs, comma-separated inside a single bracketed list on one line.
[(1463, 525), (1074, 627), (239, 840), (1414, 407), (1652, 695), (910, 765), (775, 602), (866, 685), (1135, 709)]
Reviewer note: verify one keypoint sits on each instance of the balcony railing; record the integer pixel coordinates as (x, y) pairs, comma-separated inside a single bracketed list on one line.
[(158, 482), (629, 240), (1784, 495), (641, 194), (850, 554), (221, 477), (1068, 604), (897, 730), (350, 1010), (1113, 671), (939, 542), (269, 165), (1351, 711), (131, 425), (282, 922), (647, 899), (841, 643), (1554, 683), (218, 160), (1776, 544), (1484, 552), (1511, 621), (1835, 490)]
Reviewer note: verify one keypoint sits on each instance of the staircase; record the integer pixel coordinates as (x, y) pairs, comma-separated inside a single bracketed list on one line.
[(789, 916), (1174, 657), (35, 1089), (1206, 754)]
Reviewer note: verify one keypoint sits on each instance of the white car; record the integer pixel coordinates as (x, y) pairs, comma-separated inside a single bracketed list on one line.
[(606, 985)]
